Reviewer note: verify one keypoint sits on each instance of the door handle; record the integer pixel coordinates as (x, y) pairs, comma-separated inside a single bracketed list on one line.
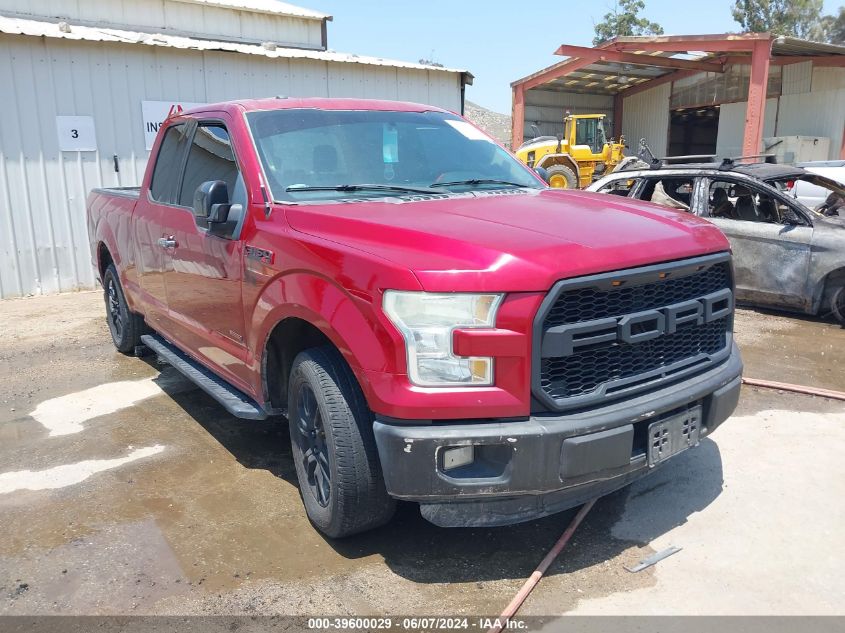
[(168, 242)]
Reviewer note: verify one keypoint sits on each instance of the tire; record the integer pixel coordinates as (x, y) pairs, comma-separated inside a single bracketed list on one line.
[(837, 303), (125, 326), (562, 177), (333, 447)]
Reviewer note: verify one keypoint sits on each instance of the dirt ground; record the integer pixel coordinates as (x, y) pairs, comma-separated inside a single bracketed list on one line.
[(124, 490)]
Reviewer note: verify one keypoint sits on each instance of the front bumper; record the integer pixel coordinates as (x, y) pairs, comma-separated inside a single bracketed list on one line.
[(533, 467)]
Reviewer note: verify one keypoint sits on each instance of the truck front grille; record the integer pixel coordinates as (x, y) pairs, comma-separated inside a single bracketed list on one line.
[(611, 335)]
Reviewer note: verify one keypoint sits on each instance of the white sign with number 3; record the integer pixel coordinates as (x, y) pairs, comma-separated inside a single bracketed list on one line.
[(76, 133)]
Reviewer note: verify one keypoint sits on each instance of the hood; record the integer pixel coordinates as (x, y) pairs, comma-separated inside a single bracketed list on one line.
[(510, 241)]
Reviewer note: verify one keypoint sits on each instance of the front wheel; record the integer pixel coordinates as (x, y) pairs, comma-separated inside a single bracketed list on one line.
[(333, 446), (562, 177), (837, 303)]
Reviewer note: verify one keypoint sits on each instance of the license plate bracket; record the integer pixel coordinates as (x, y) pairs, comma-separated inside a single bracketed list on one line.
[(673, 435)]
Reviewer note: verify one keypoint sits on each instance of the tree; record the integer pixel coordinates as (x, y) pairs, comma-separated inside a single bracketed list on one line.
[(797, 18), (624, 20), (836, 29)]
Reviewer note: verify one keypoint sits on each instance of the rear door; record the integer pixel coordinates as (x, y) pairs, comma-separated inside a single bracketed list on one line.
[(771, 241), (157, 200), (204, 271)]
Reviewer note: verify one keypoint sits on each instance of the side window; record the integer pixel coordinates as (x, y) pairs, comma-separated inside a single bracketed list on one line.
[(724, 196), (210, 157), (314, 156), (168, 162), (738, 201), (621, 187), (673, 192)]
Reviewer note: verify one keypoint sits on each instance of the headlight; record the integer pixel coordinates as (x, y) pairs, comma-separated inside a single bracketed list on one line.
[(427, 320)]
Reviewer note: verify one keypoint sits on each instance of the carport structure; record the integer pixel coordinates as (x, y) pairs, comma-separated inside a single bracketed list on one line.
[(732, 69)]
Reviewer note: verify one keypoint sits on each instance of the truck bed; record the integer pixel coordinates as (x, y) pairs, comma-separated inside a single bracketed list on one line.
[(126, 192)]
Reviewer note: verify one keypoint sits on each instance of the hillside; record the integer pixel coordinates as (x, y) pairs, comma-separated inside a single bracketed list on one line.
[(495, 124)]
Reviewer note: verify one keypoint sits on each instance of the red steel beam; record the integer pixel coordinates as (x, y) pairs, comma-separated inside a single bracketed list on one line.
[(618, 107), (641, 60), (518, 116), (755, 111), (842, 150)]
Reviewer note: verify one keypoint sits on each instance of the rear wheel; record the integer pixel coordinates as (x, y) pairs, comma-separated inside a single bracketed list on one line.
[(333, 446), (562, 177), (125, 326)]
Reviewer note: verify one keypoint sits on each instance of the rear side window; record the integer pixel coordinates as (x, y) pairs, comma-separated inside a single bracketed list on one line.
[(166, 173), (210, 158), (620, 187), (673, 192)]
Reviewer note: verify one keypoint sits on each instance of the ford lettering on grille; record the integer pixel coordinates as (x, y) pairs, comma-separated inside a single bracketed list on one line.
[(615, 334), (563, 340)]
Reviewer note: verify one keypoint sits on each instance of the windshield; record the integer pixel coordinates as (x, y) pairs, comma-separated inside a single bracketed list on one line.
[(308, 153), (817, 193)]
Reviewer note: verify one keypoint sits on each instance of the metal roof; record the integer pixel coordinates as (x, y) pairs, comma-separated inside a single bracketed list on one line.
[(608, 77), (264, 6), (61, 30), (599, 78)]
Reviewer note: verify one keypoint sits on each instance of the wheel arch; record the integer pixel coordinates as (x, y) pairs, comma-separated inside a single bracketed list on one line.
[(559, 159), (825, 288), (286, 340), (302, 310), (104, 258)]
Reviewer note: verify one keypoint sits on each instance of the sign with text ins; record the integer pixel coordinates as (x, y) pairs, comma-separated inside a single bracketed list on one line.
[(155, 112)]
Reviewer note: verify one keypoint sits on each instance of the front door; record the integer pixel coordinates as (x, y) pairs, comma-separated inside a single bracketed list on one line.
[(771, 243), (203, 271)]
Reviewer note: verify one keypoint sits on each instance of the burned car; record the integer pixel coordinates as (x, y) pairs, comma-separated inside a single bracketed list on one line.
[(787, 255)]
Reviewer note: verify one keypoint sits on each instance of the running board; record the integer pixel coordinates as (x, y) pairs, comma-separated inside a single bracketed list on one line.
[(235, 401)]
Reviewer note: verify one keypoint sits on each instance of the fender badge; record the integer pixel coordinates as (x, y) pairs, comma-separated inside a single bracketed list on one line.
[(259, 254)]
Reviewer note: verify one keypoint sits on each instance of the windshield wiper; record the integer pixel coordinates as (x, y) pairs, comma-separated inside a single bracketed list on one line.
[(478, 181), (359, 187)]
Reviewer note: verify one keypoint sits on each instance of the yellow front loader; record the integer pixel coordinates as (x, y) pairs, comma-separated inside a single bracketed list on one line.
[(583, 154)]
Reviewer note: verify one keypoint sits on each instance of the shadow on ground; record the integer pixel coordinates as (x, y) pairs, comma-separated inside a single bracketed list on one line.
[(422, 552)]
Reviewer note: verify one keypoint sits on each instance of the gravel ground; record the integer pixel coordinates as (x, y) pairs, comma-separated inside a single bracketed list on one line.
[(124, 490)]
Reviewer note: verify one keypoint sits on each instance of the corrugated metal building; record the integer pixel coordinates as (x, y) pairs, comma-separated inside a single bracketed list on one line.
[(88, 82), (689, 94)]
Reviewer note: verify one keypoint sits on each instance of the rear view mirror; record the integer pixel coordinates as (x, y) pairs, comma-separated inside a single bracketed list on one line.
[(211, 203)]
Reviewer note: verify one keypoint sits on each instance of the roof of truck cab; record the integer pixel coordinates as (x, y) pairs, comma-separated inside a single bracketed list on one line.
[(317, 103)]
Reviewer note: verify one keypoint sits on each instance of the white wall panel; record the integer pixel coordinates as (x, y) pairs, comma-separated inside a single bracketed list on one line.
[(814, 114), (828, 79), (43, 233), (547, 108), (732, 126), (646, 115), (797, 78)]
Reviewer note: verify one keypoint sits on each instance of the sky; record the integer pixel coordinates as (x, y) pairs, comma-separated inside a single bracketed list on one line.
[(498, 41)]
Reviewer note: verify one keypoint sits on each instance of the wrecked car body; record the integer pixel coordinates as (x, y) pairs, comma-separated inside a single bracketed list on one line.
[(786, 254)]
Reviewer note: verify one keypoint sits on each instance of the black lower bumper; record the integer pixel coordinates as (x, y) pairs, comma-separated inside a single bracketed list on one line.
[(525, 469)]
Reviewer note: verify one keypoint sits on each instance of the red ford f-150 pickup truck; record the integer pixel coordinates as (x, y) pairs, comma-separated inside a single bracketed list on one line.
[(435, 323)]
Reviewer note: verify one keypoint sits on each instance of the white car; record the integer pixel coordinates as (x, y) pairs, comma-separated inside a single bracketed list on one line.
[(811, 195)]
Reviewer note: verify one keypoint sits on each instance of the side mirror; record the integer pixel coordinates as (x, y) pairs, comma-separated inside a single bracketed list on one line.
[(212, 207), (211, 203), (541, 171)]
